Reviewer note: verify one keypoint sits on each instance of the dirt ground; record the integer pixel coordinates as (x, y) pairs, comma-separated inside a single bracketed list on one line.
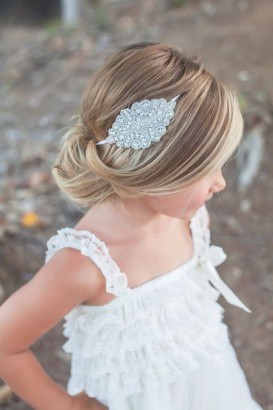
[(43, 71)]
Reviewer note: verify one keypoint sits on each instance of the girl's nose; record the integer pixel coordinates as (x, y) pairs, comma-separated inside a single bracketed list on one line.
[(220, 182)]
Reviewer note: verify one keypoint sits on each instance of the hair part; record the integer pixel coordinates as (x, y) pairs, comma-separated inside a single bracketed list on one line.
[(206, 128)]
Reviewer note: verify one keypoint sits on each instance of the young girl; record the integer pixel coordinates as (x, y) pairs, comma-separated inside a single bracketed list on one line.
[(135, 279)]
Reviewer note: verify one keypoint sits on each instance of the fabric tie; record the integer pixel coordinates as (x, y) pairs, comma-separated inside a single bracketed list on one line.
[(213, 256)]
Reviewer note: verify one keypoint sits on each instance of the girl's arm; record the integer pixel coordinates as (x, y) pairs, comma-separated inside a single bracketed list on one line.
[(65, 281)]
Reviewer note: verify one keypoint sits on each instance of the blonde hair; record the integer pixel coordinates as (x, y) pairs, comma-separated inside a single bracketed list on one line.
[(204, 132)]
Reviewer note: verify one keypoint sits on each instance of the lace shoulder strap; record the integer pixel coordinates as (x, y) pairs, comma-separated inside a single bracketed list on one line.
[(200, 230), (91, 246)]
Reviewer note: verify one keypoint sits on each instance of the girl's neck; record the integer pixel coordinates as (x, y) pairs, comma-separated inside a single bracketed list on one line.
[(134, 215)]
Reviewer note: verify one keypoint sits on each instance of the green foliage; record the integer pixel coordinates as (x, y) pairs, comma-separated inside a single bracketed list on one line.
[(177, 3), (243, 103), (6, 86), (100, 16), (53, 27)]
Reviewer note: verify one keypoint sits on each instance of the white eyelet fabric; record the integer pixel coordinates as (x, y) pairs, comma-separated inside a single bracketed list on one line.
[(160, 345)]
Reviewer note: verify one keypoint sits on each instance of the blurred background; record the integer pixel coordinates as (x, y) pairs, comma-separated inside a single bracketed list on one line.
[(47, 51)]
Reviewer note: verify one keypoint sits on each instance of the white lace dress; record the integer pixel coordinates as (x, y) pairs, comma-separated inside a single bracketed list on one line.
[(162, 345)]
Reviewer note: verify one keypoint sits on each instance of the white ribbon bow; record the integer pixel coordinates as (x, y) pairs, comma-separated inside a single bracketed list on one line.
[(213, 256)]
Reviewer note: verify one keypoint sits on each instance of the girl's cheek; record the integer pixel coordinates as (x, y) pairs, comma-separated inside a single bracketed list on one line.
[(200, 199)]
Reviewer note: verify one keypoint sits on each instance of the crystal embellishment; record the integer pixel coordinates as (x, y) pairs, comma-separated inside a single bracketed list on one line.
[(145, 122)]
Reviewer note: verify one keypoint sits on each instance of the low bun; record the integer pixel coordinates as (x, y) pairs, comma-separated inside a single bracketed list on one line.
[(78, 171)]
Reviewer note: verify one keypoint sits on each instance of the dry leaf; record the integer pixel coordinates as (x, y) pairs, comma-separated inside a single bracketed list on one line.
[(30, 219)]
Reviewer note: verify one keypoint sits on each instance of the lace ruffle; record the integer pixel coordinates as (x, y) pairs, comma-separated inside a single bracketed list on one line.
[(90, 245), (144, 338)]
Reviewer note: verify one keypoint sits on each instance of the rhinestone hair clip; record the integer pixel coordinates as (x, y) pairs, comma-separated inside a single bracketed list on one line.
[(145, 122)]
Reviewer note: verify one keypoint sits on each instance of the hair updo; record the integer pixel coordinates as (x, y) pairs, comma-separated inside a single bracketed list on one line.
[(206, 128)]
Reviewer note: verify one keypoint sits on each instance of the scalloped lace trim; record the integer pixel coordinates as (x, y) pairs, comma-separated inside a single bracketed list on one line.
[(201, 231), (90, 245)]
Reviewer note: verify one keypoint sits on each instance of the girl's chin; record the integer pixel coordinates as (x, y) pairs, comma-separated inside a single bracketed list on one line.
[(195, 209), (191, 212)]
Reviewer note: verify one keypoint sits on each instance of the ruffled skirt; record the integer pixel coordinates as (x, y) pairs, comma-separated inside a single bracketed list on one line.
[(219, 384)]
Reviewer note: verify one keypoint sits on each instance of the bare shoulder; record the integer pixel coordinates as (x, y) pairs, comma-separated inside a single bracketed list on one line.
[(68, 267)]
